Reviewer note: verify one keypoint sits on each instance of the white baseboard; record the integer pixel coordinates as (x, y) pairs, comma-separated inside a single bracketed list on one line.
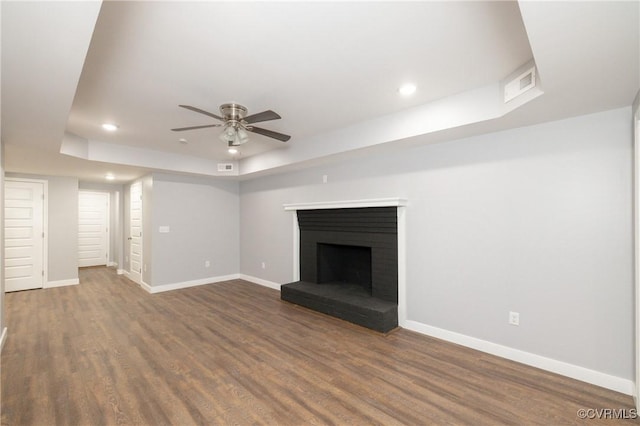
[(187, 284), (3, 338), (597, 378), (62, 283), (112, 264), (120, 271), (260, 281), (127, 275), (146, 287)]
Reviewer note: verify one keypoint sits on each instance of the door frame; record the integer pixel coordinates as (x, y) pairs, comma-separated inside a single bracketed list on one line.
[(107, 219), (45, 222)]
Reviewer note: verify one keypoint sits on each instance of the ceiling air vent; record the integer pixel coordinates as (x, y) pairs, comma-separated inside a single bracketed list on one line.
[(520, 84), (225, 167)]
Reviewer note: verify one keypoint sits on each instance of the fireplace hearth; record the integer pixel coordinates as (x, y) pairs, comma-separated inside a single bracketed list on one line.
[(349, 265)]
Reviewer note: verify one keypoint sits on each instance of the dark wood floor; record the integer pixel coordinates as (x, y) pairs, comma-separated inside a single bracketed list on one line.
[(106, 352)]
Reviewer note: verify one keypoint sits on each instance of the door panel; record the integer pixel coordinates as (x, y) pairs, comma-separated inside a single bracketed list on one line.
[(24, 235), (93, 228), (135, 229)]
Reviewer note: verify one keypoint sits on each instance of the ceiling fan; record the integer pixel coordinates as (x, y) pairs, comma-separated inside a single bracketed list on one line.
[(237, 123)]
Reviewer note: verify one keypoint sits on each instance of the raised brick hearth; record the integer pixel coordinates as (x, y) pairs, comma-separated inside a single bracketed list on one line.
[(349, 265)]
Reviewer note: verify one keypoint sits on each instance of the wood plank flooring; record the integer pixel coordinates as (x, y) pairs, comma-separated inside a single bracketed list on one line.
[(105, 352)]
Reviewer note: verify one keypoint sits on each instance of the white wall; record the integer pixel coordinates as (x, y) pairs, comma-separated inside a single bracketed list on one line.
[(536, 220), (203, 218)]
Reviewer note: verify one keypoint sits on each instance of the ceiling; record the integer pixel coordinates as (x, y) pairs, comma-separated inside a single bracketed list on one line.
[(330, 69)]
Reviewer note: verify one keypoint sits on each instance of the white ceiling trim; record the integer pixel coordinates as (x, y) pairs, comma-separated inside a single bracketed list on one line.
[(471, 107), (474, 106), (126, 155)]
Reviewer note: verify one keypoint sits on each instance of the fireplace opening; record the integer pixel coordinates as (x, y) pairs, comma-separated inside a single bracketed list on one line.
[(344, 264)]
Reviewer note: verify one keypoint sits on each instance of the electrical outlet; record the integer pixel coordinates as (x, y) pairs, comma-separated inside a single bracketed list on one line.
[(514, 318), (207, 263), (264, 265), (325, 178)]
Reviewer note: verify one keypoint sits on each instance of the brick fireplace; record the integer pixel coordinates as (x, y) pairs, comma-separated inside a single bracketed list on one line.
[(348, 263)]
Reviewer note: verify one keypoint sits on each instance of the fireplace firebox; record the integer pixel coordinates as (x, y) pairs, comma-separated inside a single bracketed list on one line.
[(344, 264), (349, 265)]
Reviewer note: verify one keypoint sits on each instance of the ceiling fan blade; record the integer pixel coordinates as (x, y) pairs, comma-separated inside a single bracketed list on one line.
[(262, 116), (275, 135), (201, 111), (180, 129)]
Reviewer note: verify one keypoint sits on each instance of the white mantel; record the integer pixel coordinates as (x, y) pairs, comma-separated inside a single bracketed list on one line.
[(400, 203), (348, 204)]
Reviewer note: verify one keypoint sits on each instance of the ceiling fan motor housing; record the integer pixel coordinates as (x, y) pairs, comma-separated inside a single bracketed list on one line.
[(233, 111)]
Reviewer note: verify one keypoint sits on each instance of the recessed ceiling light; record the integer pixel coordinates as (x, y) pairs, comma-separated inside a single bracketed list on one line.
[(183, 141), (407, 89), (109, 176), (232, 151), (110, 127)]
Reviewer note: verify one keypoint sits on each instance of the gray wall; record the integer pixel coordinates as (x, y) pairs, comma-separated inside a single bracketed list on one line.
[(63, 226), (147, 215), (126, 226), (203, 218), (536, 220)]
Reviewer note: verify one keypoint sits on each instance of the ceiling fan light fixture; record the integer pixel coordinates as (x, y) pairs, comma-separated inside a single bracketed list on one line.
[(233, 151), (227, 135), (241, 136), (234, 135)]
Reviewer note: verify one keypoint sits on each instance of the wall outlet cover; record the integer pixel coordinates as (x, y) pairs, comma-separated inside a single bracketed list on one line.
[(514, 318)]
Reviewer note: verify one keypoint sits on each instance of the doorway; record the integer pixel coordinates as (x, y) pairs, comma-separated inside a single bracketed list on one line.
[(135, 232), (25, 234), (636, 214), (93, 228)]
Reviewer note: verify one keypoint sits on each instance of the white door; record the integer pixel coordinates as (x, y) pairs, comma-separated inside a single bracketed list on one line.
[(93, 228), (23, 235), (636, 178), (135, 230)]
